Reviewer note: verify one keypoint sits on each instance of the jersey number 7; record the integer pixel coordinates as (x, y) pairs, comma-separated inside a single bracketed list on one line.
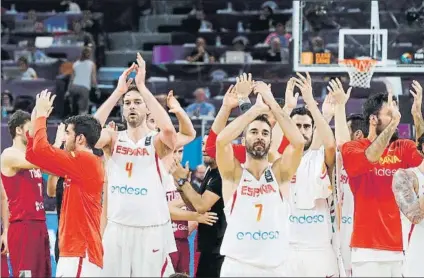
[(259, 207), (128, 168)]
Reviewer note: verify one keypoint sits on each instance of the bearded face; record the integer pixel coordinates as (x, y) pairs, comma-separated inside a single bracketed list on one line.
[(258, 139)]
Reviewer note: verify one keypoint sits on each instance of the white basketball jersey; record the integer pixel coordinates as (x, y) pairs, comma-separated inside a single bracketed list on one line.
[(310, 228), (256, 225), (136, 195), (416, 235)]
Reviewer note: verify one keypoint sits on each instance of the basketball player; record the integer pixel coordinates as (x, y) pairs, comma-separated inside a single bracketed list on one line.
[(377, 243), (408, 187), (353, 127), (138, 236), (81, 252), (4, 228), (310, 224), (255, 242), (27, 236)]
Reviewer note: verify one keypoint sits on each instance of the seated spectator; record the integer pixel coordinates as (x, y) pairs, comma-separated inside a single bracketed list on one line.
[(72, 6), (277, 53), (83, 79), (200, 53), (201, 107), (27, 72), (239, 44), (264, 22), (36, 54), (198, 175), (195, 23), (7, 101), (280, 32)]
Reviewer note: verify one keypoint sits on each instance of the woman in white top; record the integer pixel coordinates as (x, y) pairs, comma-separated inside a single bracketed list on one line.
[(82, 80), (27, 71)]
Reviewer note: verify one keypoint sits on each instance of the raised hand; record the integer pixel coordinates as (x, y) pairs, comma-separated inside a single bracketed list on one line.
[(244, 85), (305, 86), (60, 135), (260, 105), (123, 81), (140, 77), (290, 100), (328, 107), (230, 98), (336, 90), (44, 103), (418, 97), (394, 110), (208, 218), (172, 103), (180, 172)]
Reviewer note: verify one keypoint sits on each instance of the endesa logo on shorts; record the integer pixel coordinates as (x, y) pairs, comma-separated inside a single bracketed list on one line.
[(307, 219), (129, 190), (347, 220), (258, 235)]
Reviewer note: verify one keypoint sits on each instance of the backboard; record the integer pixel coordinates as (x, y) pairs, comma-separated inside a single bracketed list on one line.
[(328, 31)]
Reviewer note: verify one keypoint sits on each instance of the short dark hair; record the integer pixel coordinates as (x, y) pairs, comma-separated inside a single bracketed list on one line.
[(373, 104), (357, 122), (261, 118), (302, 111), (23, 59), (88, 126), (17, 119), (420, 143)]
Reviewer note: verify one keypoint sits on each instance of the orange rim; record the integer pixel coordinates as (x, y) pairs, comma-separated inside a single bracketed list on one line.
[(360, 65)]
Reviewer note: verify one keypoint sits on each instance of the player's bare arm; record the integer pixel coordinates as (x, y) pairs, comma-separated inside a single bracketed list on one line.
[(416, 111), (186, 132), (200, 202), (123, 83), (290, 102), (178, 214), (405, 185), (285, 167), (322, 126), (4, 220), (103, 219), (228, 166), (166, 140), (376, 149), (335, 89), (13, 160)]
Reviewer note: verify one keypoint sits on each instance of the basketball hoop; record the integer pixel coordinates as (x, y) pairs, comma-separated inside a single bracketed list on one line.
[(360, 71)]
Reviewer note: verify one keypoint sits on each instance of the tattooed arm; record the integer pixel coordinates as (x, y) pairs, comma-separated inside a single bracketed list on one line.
[(410, 204), (377, 147)]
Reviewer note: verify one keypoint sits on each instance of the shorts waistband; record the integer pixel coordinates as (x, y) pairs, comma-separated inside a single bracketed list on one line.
[(141, 227)]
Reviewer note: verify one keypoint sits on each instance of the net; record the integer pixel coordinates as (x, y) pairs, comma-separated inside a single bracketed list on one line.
[(360, 71)]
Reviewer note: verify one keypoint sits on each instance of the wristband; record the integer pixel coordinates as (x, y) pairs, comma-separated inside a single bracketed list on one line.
[(244, 104)]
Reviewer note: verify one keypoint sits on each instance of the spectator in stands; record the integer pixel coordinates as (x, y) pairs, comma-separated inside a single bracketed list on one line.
[(36, 54), (72, 6), (195, 23), (280, 32), (198, 176), (277, 53), (27, 71), (81, 35), (264, 22), (239, 44), (7, 101), (200, 53), (201, 107), (82, 80)]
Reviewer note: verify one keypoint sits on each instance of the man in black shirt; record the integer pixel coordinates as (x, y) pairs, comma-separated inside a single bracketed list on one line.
[(209, 198)]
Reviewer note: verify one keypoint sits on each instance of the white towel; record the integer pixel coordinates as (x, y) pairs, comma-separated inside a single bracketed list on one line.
[(311, 181)]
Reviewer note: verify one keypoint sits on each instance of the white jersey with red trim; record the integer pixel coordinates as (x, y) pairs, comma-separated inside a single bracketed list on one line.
[(414, 252), (136, 196), (256, 222)]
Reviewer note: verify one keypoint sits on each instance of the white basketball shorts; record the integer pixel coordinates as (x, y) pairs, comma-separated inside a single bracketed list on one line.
[(137, 251), (313, 262), (377, 269), (234, 268), (76, 267)]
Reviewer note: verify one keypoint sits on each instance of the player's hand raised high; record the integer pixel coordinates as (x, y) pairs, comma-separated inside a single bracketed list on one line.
[(44, 103)]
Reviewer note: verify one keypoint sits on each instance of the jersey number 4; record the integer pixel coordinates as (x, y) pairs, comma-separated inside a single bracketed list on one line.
[(128, 168), (259, 207)]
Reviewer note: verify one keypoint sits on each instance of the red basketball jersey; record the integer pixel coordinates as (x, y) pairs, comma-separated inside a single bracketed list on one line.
[(25, 195)]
